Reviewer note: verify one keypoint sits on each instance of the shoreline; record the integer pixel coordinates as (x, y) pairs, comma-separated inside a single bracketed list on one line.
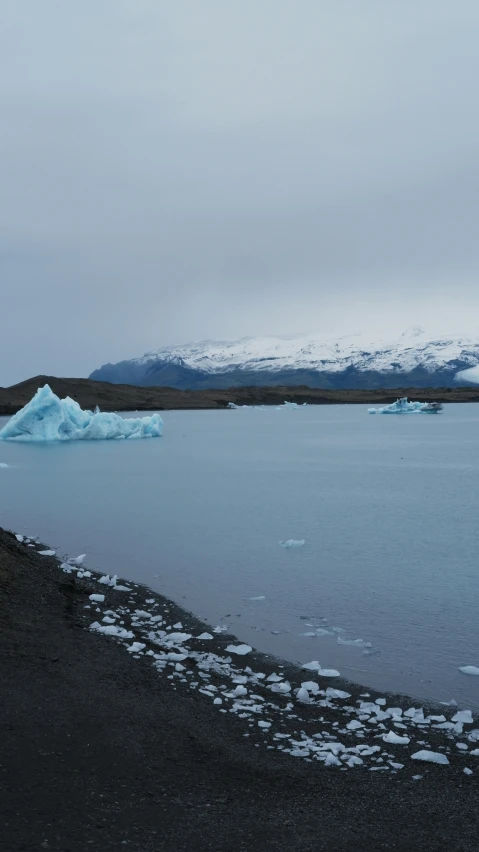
[(89, 394), (302, 736)]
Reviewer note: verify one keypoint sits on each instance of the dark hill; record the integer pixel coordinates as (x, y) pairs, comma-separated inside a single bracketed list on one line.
[(112, 397)]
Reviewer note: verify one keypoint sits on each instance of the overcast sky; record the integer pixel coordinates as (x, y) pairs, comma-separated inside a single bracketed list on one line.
[(178, 170)]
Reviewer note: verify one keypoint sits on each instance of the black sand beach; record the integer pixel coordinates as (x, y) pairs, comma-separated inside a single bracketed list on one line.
[(100, 751)]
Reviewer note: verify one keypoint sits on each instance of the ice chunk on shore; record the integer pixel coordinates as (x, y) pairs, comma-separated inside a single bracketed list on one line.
[(112, 630), (464, 716), (48, 418), (469, 670), (430, 757), (391, 737), (77, 560), (314, 666), (293, 542), (239, 649), (46, 552)]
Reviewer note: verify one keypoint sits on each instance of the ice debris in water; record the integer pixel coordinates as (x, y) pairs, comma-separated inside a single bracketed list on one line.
[(402, 406), (316, 667), (293, 542), (469, 670), (48, 418), (46, 552), (19, 538), (2, 464), (430, 757)]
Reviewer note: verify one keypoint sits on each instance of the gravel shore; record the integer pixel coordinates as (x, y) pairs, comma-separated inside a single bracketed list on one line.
[(106, 745)]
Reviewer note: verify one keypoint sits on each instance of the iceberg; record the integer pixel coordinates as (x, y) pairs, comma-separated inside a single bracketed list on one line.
[(48, 418), (403, 406)]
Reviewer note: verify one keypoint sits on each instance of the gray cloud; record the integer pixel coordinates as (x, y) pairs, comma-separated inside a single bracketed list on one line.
[(174, 171)]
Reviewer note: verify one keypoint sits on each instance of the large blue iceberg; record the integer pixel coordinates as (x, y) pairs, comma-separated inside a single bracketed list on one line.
[(402, 406), (48, 418)]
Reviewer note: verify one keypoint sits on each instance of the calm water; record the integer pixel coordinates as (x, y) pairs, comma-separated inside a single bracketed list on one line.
[(387, 505)]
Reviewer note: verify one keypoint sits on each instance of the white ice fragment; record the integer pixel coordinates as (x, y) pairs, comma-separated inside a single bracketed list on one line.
[(240, 690), (274, 678), (205, 636), (467, 771), (3, 464), (332, 760), (461, 746), (218, 701), (221, 628), (303, 695), (464, 716), (108, 581), (46, 552), (97, 598), (258, 598), (48, 418), (396, 765), (282, 688), (359, 643), (336, 693), (293, 542), (108, 620), (241, 650), (314, 666), (112, 630), (135, 647), (475, 752), (311, 686), (391, 737), (380, 701), (178, 626), (77, 560), (19, 537), (430, 757), (354, 761), (177, 638), (262, 724), (354, 725), (469, 670)]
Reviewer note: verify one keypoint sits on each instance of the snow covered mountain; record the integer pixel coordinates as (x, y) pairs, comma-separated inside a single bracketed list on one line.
[(414, 360)]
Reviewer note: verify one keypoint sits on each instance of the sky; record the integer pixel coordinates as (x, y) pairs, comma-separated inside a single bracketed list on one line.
[(174, 171)]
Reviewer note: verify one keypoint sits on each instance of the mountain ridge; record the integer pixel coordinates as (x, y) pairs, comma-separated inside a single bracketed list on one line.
[(415, 359)]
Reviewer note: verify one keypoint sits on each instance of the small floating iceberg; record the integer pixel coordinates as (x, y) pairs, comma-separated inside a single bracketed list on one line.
[(48, 418), (293, 542), (403, 406)]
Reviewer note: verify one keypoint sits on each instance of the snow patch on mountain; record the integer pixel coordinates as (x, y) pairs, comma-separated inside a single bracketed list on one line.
[(414, 348)]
